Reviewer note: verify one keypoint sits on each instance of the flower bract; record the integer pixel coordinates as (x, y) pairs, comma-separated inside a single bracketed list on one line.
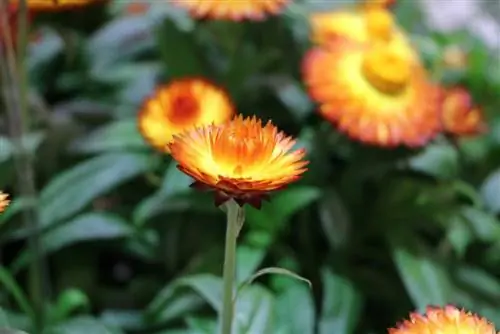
[(241, 159)]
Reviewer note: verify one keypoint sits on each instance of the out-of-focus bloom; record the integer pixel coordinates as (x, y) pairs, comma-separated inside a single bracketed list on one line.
[(232, 10), (447, 320), (137, 8), (240, 159), (378, 3), (454, 58), (378, 94), (54, 5), (372, 25), (4, 201), (459, 115), (181, 105)]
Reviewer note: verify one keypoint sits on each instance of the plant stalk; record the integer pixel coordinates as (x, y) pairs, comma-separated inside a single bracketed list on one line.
[(235, 217)]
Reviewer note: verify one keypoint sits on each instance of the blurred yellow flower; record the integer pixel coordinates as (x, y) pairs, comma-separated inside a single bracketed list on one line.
[(447, 320), (240, 159), (232, 10), (459, 116), (378, 94), (4, 201), (54, 5), (181, 105)]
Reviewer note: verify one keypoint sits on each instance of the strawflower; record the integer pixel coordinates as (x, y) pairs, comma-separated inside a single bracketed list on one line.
[(4, 201), (447, 320), (181, 105), (459, 115), (232, 10), (378, 94), (241, 159), (54, 5)]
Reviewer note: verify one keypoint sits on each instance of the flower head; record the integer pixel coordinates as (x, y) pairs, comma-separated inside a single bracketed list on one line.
[(364, 25), (459, 116), (54, 5), (447, 320), (179, 106), (4, 201), (241, 159), (378, 94), (232, 10)]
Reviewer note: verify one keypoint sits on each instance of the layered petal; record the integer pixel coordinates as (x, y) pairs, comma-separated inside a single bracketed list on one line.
[(459, 115), (240, 159)]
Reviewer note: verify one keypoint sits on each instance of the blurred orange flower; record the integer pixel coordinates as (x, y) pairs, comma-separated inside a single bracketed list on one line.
[(378, 3), (447, 320), (180, 105), (137, 8), (459, 116), (4, 201), (360, 24), (240, 159), (54, 5), (378, 94), (232, 10)]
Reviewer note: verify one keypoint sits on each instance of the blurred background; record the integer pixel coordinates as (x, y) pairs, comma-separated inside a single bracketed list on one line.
[(127, 247)]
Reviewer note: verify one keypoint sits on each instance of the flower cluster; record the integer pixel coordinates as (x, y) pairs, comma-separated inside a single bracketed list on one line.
[(370, 83)]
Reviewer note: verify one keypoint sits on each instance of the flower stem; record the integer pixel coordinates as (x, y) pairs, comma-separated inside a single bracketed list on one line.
[(235, 218)]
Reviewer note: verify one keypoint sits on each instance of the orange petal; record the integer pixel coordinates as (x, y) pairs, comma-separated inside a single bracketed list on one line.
[(459, 116), (4, 201)]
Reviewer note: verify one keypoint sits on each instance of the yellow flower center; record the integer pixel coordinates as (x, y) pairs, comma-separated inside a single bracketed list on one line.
[(379, 24), (386, 70)]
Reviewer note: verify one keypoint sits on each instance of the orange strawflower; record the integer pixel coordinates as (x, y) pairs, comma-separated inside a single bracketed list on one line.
[(232, 10), (364, 25), (181, 105), (459, 115), (447, 320), (4, 201), (54, 5), (379, 94), (240, 159)]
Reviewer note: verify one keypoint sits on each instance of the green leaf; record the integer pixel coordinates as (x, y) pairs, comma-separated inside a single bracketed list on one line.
[(69, 301), (334, 217), (438, 160), (17, 205), (247, 261), (273, 216), (11, 331), (82, 325), (342, 305), (86, 227), (476, 279), (291, 318), (294, 98), (10, 285), (489, 192), (459, 234), (116, 136), (254, 311), (274, 271), (179, 51), (484, 225), (174, 183), (425, 280), (77, 187)]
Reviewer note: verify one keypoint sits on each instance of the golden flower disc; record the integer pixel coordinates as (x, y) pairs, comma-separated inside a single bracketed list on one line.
[(182, 105), (55, 5), (447, 320), (4, 201), (361, 106), (459, 116), (232, 10), (239, 159)]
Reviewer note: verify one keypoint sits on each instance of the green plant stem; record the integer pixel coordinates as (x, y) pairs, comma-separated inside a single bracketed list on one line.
[(234, 214)]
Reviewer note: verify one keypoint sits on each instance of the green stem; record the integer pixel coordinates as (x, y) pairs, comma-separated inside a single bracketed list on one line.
[(235, 217)]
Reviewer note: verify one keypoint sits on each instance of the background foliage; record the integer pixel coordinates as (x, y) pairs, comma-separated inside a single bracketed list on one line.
[(129, 248)]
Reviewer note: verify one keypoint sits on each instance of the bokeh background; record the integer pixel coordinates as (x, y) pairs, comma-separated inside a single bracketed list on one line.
[(127, 247)]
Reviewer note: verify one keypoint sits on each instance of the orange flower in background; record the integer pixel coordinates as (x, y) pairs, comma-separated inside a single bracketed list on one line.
[(179, 106), (241, 159), (378, 3), (362, 25), (447, 320), (55, 5), (137, 8), (4, 201), (232, 10), (459, 116), (378, 94)]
